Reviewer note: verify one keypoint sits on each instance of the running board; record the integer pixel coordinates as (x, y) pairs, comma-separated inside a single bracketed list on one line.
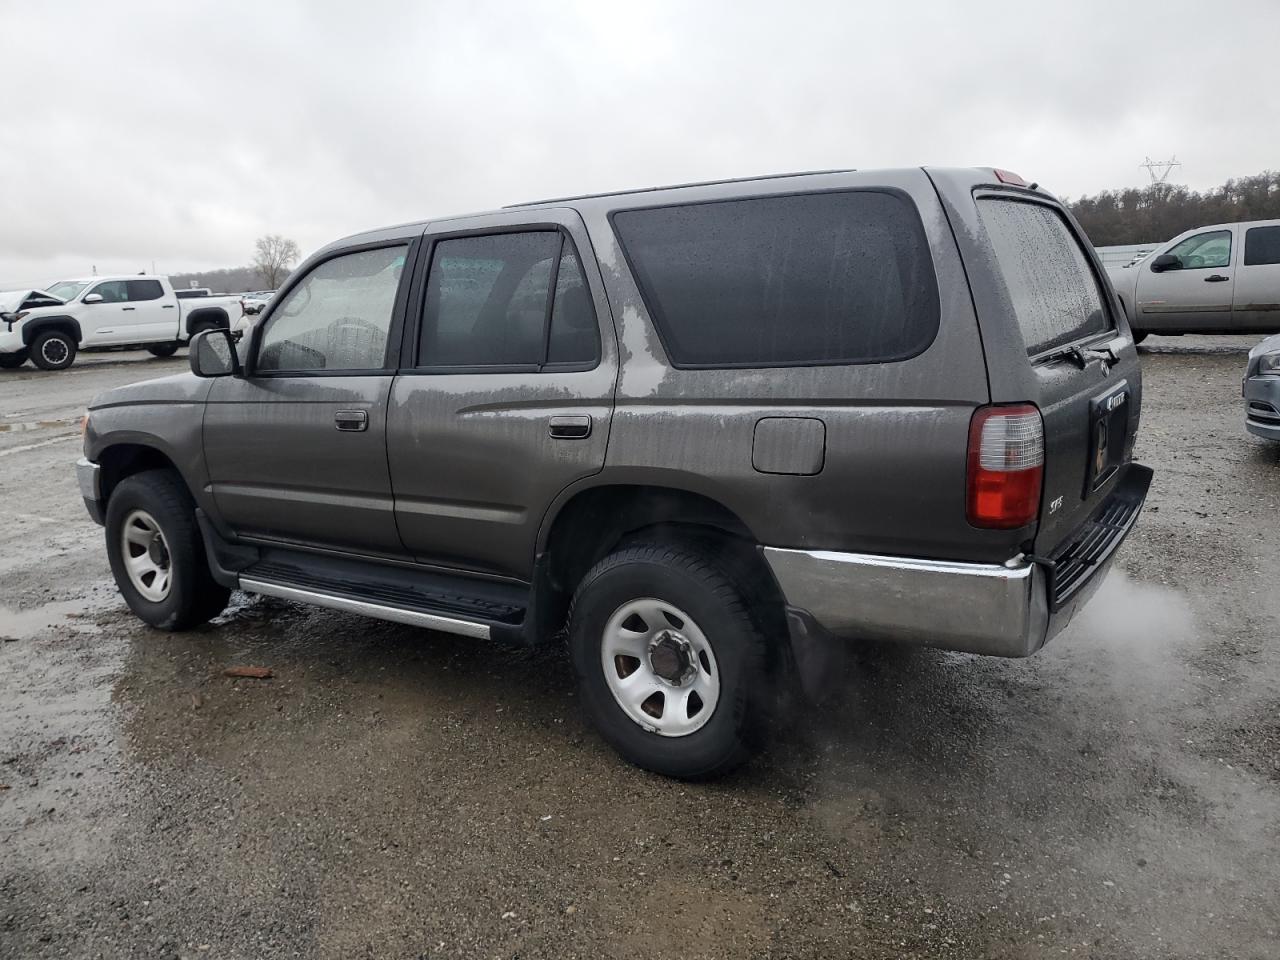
[(415, 618)]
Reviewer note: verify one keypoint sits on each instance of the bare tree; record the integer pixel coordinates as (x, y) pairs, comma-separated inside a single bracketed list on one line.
[(274, 258)]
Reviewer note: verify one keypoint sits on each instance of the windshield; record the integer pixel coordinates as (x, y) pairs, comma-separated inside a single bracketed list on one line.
[(66, 290)]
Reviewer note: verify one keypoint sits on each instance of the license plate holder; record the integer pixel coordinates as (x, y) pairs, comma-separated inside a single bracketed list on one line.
[(1108, 434)]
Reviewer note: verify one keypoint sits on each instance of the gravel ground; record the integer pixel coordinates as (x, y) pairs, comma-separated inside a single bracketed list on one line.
[(396, 793)]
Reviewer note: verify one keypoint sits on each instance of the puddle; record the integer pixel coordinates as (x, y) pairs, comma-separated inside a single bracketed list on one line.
[(25, 624)]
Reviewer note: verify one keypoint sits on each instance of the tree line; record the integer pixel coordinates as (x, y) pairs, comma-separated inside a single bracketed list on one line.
[(273, 258), (1161, 211)]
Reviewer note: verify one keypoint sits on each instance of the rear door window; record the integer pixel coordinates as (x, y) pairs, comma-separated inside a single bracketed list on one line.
[(1261, 246), (145, 290), (808, 279), (1056, 297), (490, 302)]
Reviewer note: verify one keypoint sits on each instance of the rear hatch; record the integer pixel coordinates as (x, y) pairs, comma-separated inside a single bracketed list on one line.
[(1054, 337)]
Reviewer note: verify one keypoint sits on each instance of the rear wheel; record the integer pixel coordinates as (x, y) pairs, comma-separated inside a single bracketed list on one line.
[(53, 350), (157, 553), (11, 361), (671, 665), (163, 349)]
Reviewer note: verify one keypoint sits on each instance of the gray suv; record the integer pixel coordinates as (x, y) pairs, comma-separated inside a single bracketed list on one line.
[(710, 430)]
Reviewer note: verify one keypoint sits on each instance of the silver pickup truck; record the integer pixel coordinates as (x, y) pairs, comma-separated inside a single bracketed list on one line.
[(1219, 279)]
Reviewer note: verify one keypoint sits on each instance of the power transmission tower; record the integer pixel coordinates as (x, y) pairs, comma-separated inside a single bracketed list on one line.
[(1165, 167)]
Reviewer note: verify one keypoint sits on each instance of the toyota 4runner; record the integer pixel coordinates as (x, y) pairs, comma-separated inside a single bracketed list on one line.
[(709, 429)]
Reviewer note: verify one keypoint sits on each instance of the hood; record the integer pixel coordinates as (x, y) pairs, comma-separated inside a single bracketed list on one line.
[(12, 300), (1269, 345), (178, 388)]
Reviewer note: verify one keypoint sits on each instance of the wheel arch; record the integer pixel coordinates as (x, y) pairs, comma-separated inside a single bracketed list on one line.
[(65, 324), (121, 460), (596, 520), (204, 315)]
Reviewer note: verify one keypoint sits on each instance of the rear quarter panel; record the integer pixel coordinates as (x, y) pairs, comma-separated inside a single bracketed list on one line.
[(893, 475), (1061, 390)]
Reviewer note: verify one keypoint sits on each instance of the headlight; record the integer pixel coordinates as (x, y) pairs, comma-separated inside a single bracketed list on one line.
[(1269, 365)]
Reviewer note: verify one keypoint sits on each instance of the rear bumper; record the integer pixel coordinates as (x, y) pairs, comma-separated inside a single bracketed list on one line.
[(1008, 610), (1262, 407), (89, 475)]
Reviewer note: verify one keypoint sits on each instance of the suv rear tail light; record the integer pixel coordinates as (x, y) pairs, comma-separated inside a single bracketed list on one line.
[(1006, 466)]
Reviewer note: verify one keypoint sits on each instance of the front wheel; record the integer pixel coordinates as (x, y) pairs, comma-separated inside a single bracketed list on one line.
[(12, 361), (53, 350), (157, 553), (163, 349), (670, 663)]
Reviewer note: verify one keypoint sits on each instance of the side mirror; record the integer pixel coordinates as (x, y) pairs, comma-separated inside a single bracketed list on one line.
[(1166, 261), (92, 298), (212, 353)]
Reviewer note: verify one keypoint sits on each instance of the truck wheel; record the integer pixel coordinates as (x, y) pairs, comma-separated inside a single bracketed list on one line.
[(157, 554), (671, 666), (12, 361), (163, 349), (53, 350)]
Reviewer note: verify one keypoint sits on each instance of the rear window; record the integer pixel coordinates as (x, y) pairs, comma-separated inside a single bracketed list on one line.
[(827, 278), (1055, 295)]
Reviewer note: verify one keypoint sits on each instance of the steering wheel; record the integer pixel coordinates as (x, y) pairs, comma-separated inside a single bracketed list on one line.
[(1194, 260)]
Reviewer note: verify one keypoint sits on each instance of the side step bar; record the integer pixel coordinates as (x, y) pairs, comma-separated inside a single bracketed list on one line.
[(415, 618)]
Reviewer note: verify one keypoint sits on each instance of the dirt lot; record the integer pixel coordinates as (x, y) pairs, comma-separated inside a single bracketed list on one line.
[(395, 793)]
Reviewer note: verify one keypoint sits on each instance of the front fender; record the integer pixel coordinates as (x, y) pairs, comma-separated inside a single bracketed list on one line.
[(175, 431)]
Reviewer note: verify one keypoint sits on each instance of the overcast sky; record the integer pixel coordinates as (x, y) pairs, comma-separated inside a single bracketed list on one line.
[(133, 133)]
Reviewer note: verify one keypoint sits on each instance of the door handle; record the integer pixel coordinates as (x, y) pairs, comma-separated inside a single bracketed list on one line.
[(1216, 278), (569, 428), (167, 306), (128, 308), (351, 421)]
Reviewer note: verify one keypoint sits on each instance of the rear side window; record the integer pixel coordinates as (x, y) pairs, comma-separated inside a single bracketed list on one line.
[(491, 302), (145, 290), (1054, 292), (825, 278), (1261, 246)]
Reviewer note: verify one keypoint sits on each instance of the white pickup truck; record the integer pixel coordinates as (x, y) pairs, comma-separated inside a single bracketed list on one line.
[(104, 312)]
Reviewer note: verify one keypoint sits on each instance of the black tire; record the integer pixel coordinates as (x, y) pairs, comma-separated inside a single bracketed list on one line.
[(53, 350), (203, 325), (687, 580), (1139, 336), (12, 361), (163, 349), (193, 595)]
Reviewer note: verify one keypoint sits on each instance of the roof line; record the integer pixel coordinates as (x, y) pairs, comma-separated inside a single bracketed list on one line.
[(677, 186)]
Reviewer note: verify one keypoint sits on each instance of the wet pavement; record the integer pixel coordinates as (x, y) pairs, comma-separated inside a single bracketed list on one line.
[(395, 793)]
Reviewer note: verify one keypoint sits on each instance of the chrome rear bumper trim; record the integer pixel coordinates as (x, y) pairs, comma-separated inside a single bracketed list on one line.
[(988, 608)]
